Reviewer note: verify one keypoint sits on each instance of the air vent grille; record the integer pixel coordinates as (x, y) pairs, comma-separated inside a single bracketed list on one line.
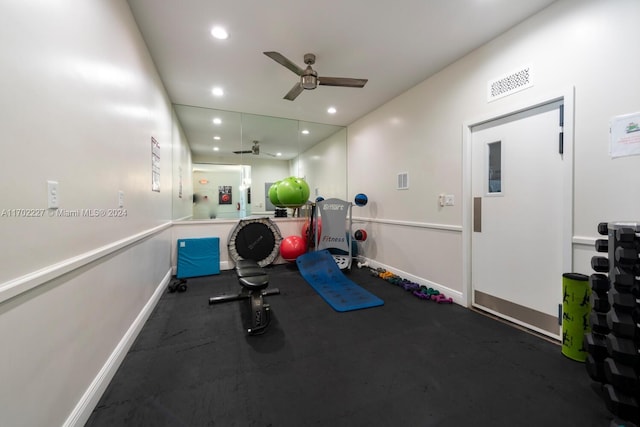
[(403, 181), (509, 83)]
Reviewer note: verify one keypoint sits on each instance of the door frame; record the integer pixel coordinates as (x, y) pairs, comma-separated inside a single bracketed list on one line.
[(567, 96)]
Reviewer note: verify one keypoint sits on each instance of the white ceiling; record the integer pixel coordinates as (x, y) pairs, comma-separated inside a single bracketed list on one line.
[(395, 45)]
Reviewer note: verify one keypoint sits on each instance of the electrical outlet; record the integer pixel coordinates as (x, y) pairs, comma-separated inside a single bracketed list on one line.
[(441, 200), (121, 199), (52, 195), (449, 200)]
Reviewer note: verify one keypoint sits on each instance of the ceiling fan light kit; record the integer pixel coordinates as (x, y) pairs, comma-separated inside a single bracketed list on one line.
[(309, 78), (309, 82)]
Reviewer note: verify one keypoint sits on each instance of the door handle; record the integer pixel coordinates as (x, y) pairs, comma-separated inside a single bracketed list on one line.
[(477, 214)]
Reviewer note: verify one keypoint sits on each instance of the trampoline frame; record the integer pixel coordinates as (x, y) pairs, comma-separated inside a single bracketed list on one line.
[(231, 241)]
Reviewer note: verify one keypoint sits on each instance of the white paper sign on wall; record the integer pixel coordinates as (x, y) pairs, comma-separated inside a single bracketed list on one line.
[(624, 135)]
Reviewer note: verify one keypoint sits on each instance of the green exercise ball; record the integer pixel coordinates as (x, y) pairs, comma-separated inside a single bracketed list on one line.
[(305, 189), (293, 192), (273, 193)]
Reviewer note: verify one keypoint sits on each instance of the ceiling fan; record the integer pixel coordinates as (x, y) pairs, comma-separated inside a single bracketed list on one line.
[(255, 150), (309, 78)]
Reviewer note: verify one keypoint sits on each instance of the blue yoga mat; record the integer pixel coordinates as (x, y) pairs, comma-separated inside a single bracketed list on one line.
[(323, 274)]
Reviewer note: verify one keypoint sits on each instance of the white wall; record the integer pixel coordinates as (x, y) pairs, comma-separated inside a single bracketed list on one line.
[(324, 167), (584, 44), (64, 95), (182, 164), (81, 100)]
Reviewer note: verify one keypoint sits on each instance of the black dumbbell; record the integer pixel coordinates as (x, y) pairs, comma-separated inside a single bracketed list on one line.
[(599, 322), (622, 350), (624, 301), (627, 256), (603, 229), (621, 324), (625, 235), (599, 282), (624, 281), (622, 377), (600, 302), (600, 264), (602, 245), (621, 404), (178, 286), (596, 345), (595, 369)]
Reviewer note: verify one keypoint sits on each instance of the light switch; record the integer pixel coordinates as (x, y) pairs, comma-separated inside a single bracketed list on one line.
[(52, 195)]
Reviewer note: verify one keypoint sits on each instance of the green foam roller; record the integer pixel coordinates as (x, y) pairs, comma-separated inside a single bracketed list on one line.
[(576, 308)]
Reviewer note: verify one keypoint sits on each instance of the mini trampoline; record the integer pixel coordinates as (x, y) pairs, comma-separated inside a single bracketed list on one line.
[(257, 239)]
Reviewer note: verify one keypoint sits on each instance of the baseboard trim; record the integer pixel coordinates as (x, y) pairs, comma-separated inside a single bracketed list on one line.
[(81, 413), (480, 310), (539, 322)]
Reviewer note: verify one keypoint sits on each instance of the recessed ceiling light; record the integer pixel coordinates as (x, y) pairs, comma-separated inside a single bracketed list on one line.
[(217, 91), (219, 33), (278, 154), (331, 110), (216, 149), (305, 132), (217, 138), (217, 121)]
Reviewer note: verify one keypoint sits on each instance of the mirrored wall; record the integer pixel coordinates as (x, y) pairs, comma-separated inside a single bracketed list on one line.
[(233, 158)]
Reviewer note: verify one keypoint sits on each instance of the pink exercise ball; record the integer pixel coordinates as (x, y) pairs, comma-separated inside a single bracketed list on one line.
[(292, 247)]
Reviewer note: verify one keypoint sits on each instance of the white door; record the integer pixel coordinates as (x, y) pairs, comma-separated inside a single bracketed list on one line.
[(516, 243)]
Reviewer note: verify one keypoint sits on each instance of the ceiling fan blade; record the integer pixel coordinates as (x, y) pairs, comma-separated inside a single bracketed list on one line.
[(243, 152), (341, 81), (280, 59), (294, 92)]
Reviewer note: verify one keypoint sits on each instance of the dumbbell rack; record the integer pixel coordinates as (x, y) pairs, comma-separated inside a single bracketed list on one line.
[(613, 344)]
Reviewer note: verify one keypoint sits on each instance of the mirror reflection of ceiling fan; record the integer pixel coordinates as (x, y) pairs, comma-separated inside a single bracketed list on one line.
[(309, 78), (255, 150)]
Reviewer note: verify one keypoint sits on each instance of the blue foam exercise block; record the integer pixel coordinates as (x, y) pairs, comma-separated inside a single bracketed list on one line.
[(198, 257)]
